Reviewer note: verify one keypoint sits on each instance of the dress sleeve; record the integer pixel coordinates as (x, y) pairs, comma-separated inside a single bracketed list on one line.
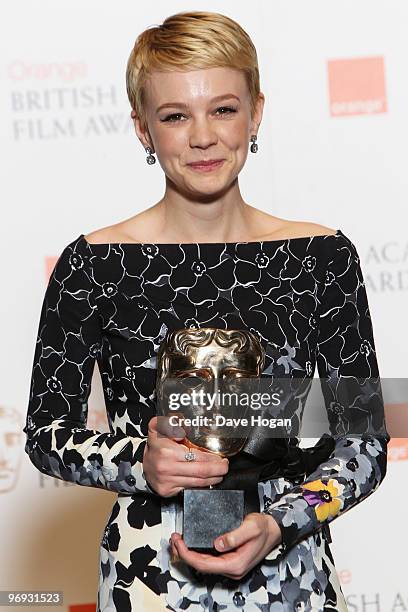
[(67, 346), (351, 387)]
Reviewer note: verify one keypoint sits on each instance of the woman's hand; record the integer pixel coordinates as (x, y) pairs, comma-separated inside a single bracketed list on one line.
[(164, 464), (257, 535)]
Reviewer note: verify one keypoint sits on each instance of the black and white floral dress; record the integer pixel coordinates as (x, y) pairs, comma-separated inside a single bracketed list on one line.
[(306, 301)]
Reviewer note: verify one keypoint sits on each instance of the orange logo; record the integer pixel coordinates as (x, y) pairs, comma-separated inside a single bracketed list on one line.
[(82, 608), (397, 449), (357, 86), (49, 266), (397, 425)]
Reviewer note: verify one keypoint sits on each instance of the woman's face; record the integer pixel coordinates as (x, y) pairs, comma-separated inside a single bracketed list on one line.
[(196, 116)]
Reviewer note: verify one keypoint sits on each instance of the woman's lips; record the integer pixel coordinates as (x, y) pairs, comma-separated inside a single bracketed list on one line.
[(206, 166)]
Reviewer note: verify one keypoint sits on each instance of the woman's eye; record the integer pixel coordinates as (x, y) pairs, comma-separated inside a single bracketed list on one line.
[(174, 117), (227, 108), (170, 117)]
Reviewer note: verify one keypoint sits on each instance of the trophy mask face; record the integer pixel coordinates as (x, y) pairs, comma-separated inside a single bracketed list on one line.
[(213, 363), (213, 360)]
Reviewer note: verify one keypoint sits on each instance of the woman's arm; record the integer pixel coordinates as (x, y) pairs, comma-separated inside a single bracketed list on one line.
[(345, 358), (68, 344)]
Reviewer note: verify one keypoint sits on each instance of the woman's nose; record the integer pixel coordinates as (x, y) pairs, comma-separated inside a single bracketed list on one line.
[(202, 134)]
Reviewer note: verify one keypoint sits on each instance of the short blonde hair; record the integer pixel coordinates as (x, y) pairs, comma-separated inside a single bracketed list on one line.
[(187, 41)]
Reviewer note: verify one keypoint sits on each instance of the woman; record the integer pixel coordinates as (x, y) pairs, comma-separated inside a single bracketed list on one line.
[(201, 257)]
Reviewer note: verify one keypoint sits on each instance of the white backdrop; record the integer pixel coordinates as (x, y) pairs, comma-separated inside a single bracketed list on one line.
[(332, 149)]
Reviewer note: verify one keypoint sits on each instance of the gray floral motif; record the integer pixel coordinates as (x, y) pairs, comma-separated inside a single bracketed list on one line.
[(107, 581), (305, 299)]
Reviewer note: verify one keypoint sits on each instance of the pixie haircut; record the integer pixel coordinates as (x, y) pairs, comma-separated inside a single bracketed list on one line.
[(190, 41)]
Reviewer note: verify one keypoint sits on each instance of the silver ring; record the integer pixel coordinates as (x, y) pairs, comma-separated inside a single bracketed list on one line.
[(190, 456)]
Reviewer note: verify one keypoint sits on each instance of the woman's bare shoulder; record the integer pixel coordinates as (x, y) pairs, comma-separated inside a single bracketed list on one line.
[(307, 228), (287, 228), (273, 228), (103, 235), (132, 229), (118, 232)]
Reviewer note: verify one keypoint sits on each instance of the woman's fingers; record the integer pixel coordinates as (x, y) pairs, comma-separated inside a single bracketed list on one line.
[(201, 456), (169, 458), (199, 469), (165, 464), (233, 564), (160, 427), (188, 481), (243, 548), (248, 530), (165, 429)]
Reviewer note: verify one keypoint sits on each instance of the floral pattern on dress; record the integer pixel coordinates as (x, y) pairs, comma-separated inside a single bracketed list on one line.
[(112, 304), (323, 497)]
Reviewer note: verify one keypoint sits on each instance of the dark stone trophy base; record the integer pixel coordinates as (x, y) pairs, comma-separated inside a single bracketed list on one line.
[(208, 513)]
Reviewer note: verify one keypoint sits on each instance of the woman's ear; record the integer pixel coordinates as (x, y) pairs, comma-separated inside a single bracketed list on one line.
[(257, 118), (141, 132)]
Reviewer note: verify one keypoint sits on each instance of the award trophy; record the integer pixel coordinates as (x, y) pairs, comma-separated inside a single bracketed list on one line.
[(217, 359)]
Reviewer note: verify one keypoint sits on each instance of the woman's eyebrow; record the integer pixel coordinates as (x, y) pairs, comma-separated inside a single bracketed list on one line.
[(183, 105)]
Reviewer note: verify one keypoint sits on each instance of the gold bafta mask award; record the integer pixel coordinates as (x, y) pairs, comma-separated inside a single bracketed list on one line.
[(196, 370)]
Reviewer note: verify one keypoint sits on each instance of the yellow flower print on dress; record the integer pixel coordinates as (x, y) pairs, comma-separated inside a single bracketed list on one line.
[(323, 497)]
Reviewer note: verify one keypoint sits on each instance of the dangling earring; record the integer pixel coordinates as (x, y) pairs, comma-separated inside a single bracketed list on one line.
[(254, 146), (150, 158)]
